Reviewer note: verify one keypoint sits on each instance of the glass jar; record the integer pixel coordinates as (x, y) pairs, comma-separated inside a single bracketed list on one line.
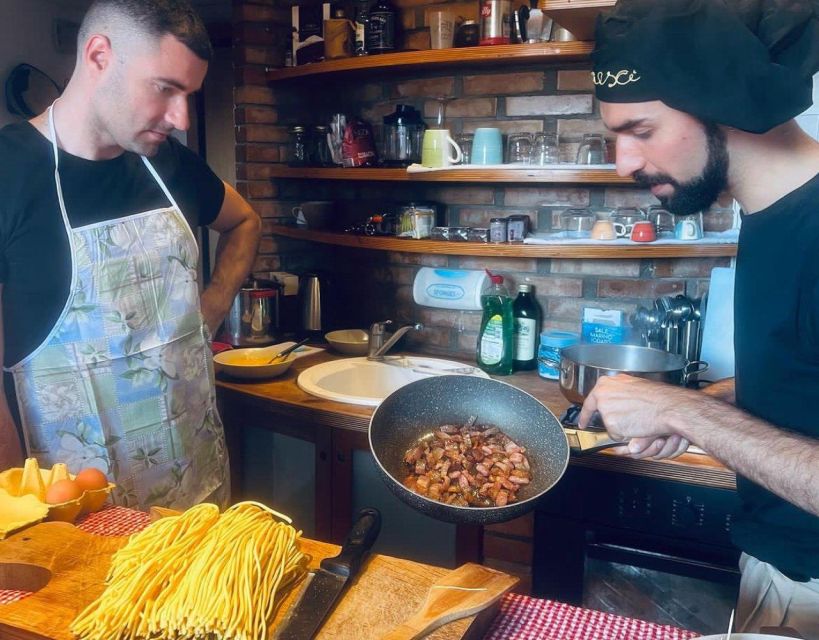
[(415, 221), (498, 230), (551, 342), (381, 30), (468, 34), (298, 152), (403, 135), (593, 149), (320, 147), (577, 223)]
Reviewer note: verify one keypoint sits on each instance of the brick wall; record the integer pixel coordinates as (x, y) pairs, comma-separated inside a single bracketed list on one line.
[(374, 285)]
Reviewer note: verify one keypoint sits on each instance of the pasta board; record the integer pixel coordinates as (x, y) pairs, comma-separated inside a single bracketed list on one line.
[(385, 593)]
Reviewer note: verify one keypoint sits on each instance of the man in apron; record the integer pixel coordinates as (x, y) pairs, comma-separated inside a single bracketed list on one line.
[(105, 334), (702, 95)]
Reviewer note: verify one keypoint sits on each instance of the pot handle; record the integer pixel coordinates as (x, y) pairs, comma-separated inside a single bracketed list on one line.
[(693, 368), (588, 441)]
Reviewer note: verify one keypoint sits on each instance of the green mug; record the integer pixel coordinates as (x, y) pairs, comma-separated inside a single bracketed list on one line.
[(437, 147)]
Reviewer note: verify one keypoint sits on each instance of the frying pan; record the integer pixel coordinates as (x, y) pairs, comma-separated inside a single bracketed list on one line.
[(420, 407)]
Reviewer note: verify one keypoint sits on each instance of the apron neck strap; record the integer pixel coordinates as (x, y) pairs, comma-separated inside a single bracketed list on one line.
[(52, 134)]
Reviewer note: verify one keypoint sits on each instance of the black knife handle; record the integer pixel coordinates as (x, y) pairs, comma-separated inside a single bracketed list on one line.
[(358, 542)]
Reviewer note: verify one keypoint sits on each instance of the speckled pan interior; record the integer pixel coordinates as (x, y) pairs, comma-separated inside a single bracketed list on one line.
[(417, 408)]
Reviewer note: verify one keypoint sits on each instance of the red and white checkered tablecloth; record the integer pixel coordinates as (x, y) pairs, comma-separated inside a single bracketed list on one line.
[(520, 617)]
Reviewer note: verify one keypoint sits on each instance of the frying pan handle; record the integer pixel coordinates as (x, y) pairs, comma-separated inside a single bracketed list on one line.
[(587, 441)]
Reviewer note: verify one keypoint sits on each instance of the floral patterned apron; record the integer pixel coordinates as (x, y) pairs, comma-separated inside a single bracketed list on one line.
[(124, 380)]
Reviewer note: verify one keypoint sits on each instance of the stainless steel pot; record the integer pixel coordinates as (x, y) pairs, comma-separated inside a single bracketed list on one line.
[(582, 364), (253, 319)]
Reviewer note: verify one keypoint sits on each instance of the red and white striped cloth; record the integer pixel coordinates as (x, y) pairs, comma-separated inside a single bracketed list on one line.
[(520, 617)]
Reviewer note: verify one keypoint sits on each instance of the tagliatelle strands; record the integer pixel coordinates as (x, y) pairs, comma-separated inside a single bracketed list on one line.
[(198, 575)]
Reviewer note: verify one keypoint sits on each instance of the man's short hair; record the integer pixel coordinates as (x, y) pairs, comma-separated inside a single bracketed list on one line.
[(156, 18)]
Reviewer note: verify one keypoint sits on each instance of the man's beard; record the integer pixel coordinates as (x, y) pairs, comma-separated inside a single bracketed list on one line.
[(701, 192)]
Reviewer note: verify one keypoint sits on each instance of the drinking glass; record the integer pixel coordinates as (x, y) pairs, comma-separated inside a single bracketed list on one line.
[(440, 117), (544, 150), (519, 148), (592, 149), (464, 141)]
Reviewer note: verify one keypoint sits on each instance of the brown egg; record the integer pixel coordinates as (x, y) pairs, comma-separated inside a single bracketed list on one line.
[(91, 479), (62, 491)]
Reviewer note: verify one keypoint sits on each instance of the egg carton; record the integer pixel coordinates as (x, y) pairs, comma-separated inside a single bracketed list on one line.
[(31, 480)]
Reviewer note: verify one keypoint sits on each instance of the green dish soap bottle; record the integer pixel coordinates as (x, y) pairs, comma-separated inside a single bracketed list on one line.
[(496, 342)]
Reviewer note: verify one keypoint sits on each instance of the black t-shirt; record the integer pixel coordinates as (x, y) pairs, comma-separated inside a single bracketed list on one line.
[(776, 339), (35, 258)]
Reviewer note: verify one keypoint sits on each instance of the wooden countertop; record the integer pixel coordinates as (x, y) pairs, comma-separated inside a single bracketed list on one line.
[(382, 596), (283, 395)]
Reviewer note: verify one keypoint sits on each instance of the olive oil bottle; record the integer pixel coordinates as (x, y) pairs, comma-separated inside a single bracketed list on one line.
[(496, 343), (526, 314)]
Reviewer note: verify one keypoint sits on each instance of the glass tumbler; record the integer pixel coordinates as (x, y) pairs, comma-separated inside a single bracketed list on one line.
[(464, 141), (545, 150), (519, 148), (592, 149)]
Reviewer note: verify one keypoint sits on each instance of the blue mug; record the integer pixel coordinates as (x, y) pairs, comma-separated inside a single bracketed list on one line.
[(487, 146)]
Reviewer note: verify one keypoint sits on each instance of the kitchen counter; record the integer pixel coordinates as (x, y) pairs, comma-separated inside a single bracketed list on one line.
[(283, 397)]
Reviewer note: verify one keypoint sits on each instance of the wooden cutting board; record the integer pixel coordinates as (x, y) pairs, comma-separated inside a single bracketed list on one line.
[(67, 567)]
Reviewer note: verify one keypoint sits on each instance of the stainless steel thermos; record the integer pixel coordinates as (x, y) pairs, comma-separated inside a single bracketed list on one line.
[(495, 21), (253, 319), (311, 295)]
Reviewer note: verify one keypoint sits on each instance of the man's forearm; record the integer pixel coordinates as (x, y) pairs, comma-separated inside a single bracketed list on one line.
[(784, 462), (235, 254)]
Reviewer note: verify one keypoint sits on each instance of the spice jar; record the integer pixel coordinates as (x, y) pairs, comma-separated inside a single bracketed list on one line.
[(298, 148), (498, 230)]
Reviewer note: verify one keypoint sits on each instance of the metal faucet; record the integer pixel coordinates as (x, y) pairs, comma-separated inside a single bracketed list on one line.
[(378, 347)]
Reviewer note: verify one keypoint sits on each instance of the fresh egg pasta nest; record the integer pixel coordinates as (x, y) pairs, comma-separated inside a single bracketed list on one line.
[(198, 575)]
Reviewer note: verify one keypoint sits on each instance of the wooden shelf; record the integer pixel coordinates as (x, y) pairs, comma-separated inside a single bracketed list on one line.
[(578, 16), (467, 56), (596, 250), (532, 174)]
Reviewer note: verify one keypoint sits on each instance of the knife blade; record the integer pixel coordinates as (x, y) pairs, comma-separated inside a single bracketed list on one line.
[(327, 583)]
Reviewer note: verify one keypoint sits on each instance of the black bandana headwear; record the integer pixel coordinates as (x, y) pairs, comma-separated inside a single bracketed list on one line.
[(747, 64)]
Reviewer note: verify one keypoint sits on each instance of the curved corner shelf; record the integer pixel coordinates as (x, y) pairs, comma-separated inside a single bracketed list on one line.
[(596, 250), (531, 174), (467, 56)]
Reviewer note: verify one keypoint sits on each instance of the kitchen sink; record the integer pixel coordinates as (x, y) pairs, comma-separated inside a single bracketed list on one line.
[(367, 382)]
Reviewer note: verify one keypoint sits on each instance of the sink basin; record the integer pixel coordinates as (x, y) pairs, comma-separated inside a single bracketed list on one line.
[(365, 382)]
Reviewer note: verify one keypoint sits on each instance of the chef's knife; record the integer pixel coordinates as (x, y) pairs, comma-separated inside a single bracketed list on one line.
[(328, 582)]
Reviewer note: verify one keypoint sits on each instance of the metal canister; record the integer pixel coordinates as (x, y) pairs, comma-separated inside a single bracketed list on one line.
[(495, 21), (498, 230)]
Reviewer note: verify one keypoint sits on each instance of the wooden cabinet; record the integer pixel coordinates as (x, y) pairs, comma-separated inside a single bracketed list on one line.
[(324, 489)]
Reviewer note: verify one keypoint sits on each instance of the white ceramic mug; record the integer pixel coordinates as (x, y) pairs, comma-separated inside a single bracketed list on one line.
[(688, 227), (437, 147)]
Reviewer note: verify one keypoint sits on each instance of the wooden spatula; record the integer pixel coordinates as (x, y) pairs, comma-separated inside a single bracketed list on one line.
[(461, 593)]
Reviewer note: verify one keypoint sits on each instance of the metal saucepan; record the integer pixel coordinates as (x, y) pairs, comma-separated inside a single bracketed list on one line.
[(580, 366), (418, 408)]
